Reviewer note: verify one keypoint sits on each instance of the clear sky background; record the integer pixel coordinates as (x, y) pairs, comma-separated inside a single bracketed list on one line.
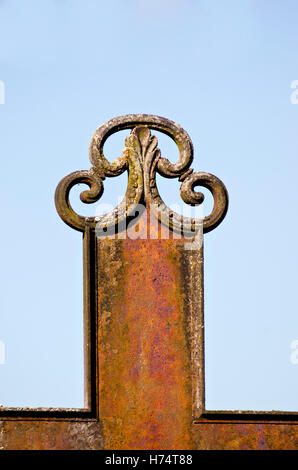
[(223, 70)]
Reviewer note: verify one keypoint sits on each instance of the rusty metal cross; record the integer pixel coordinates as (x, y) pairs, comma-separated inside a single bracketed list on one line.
[(143, 314)]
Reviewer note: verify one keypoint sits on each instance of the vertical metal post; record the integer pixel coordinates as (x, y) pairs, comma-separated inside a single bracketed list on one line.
[(147, 289)]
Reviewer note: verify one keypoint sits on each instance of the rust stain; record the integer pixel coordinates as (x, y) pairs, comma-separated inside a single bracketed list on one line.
[(144, 361), (248, 436), (50, 435)]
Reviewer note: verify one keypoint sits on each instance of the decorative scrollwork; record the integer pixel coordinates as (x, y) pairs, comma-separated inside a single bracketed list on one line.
[(142, 159)]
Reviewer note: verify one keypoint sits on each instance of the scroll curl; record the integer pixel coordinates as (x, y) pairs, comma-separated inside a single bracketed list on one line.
[(64, 208), (142, 159)]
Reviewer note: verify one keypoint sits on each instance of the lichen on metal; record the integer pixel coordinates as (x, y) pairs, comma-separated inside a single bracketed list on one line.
[(142, 159), (143, 314)]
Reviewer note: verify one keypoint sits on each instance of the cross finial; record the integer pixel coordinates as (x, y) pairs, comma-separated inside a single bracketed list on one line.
[(142, 159)]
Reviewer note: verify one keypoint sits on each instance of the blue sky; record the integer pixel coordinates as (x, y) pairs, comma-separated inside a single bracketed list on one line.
[(223, 70)]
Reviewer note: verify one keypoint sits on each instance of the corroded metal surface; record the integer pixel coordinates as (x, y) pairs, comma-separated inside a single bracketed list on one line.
[(50, 434), (143, 315), (145, 373), (245, 436), (141, 158)]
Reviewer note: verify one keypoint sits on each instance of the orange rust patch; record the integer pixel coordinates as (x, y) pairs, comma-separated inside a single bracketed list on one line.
[(144, 360)]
